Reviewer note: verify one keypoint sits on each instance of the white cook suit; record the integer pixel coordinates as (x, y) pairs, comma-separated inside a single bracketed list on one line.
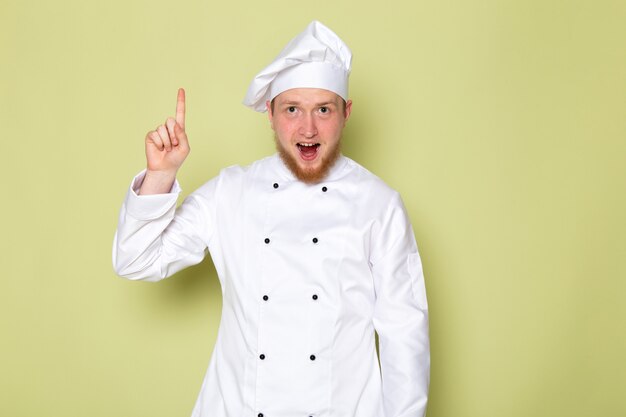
[(308, 273)]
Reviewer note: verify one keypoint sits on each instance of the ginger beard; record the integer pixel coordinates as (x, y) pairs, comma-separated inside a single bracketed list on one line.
[(309, 175)]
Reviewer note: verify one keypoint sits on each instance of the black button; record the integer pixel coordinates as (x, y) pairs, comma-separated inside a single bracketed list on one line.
[(312, 357), (262, 356), (265, 297), (315, 296), (275, 185), (314, 240), (260, 415), (324, 189), (267, 240)]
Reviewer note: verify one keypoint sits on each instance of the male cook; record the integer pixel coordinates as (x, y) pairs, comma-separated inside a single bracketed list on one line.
[(313, 252)]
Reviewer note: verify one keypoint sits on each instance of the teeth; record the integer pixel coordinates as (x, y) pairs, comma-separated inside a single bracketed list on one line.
[(307, 144)]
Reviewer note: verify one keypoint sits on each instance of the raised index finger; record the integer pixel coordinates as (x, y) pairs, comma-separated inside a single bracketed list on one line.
[(180, 108)]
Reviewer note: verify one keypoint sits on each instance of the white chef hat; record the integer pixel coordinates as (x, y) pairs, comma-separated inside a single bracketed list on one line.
[(316, 58)]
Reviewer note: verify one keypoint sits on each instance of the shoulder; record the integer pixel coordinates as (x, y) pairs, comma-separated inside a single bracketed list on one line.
[(234, 177), (255, 168), (369, 185)]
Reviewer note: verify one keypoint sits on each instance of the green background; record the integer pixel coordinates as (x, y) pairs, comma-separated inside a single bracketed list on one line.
[(501, 123)]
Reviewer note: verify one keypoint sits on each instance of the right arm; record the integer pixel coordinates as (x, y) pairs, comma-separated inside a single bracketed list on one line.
[(154, 239)]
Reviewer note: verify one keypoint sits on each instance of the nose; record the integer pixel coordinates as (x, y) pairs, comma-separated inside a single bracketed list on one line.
[(308, 128)]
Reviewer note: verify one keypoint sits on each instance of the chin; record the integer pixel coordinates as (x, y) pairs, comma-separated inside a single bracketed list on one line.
[(309, 172)]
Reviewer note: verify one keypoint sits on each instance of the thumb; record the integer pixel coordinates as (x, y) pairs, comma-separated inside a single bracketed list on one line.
[(181, 135)]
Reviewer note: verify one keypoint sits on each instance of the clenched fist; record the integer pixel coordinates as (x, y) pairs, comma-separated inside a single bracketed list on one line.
[(166, 149)]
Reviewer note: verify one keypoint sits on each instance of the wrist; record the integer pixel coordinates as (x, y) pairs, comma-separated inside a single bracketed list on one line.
[(161, 174), (157, 182)]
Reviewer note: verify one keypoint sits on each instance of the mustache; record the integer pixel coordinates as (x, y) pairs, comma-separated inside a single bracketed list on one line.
[(309, 175)]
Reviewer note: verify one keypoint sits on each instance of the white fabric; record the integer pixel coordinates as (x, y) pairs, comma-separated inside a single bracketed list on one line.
[(364, 270), (316, 58)]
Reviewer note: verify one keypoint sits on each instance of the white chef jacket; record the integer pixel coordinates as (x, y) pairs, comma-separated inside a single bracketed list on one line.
[(308, 273)]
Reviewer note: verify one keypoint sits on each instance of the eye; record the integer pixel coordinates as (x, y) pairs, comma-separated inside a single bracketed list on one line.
[(291, 109), (324, 110)]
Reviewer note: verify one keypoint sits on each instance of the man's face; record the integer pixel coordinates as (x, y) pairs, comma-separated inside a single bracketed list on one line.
[(307, 124)]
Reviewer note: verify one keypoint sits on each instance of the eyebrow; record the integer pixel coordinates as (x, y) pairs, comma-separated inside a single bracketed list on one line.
[(295, 103)]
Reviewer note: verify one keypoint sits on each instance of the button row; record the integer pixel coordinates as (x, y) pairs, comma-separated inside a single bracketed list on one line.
[(261, 415), (267, 240), (262, 357), (275, 185), (265, 297)]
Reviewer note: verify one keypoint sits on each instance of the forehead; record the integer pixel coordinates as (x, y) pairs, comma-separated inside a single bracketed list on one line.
[(307, 96)]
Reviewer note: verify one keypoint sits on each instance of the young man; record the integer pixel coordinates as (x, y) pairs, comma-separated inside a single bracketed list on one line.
[(313, 252)]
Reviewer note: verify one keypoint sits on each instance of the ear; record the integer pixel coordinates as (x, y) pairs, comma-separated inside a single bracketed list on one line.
[(270, 116), (268, 106), (348, 110)]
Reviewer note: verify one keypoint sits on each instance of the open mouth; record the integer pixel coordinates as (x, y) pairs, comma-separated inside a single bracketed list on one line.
[(308, 151)]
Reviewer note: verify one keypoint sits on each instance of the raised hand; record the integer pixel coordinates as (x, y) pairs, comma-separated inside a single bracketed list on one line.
[(166, 149)]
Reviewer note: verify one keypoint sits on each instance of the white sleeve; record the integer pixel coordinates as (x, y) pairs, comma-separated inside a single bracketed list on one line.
[(153, 239), (400, 315)]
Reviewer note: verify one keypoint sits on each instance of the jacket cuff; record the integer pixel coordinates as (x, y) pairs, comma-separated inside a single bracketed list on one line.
[(152, 206)]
